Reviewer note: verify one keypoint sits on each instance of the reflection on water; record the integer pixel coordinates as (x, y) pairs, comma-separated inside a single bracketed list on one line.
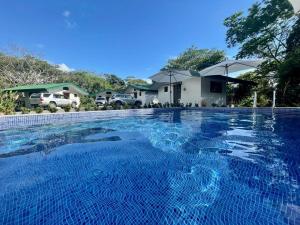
[(53, 140)]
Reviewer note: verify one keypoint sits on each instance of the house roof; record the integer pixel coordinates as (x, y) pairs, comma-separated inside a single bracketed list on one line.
[(47, 87), (143, 87)]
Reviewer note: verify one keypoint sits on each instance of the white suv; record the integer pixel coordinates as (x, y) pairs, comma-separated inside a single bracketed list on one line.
[(122, 99), (52, 100), (100, 101)]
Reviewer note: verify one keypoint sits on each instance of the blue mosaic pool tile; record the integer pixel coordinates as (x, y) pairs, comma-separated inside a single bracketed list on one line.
[(152, 167)]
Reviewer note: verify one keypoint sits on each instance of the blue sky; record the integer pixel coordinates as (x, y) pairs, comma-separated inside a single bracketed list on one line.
[(124, 37)]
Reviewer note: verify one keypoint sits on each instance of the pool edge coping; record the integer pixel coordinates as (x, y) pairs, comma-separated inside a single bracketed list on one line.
[(25, 120)]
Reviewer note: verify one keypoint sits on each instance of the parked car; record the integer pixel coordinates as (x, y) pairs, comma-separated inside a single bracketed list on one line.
[(52, 100), (122, 99), (100, 101)]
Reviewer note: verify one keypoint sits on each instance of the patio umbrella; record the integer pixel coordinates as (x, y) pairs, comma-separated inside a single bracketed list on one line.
[(230, 66), (173, 76), (296, 5)]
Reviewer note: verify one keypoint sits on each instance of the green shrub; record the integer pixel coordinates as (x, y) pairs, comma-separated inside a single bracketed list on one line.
[(67, 108), (145, 106), (52, 109), (126, 106), (263, 101), (25, 110), (214, 104), (38, 109), (203, 103), (246, 102), (88, 107), (7, 102)]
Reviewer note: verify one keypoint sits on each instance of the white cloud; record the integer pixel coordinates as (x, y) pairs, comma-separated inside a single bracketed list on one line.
[(66, 13), (68, 20), (63, 67)]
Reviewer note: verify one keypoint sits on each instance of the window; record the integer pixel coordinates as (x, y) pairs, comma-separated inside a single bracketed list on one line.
[(58, 96), (166, 89), (140, 93), (65, 88), (46, 95), (75, 95), (35, 96), (215, 87)]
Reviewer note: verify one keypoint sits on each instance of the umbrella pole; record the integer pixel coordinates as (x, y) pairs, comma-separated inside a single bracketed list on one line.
[(226, 73), (170, 74)]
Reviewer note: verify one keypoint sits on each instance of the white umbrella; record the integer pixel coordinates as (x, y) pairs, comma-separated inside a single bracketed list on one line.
[(230, 66), (296, 5), (173, 76)]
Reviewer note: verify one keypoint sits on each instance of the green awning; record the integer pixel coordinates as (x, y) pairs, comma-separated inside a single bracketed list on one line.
[(47, 87), (142, 87)]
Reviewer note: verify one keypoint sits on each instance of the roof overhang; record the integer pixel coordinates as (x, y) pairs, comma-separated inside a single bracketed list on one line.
[(230, 79), (48, 88)]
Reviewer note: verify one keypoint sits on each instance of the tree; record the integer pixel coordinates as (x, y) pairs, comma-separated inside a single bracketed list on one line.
[(289, 71), (262, 33), (27, 69), (269, 31), (133, 80), (196, 59), (87, 80), (115, 81), (243, 92)]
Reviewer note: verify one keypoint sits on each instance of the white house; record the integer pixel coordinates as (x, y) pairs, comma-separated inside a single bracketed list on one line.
[(146, 93), (193, 88)]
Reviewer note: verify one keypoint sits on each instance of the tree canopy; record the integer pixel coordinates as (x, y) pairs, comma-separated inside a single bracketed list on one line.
[(269, 30), (87, 80), (263, 31), (134, 80), (21, 69), (196, 59), (26, 70)]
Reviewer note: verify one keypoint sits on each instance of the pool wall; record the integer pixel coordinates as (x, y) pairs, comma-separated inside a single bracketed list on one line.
[(15, 121)]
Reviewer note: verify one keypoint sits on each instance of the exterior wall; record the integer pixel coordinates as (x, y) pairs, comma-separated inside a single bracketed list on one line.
[(164, 97), (146, 97), (209, 97), (149, 97), (191, 91), (195, 90)]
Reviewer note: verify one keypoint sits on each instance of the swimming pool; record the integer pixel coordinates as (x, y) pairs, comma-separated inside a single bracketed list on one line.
[(160, 167)]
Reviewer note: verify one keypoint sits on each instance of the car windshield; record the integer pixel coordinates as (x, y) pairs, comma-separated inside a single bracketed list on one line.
[(35, 96), (101, 98)]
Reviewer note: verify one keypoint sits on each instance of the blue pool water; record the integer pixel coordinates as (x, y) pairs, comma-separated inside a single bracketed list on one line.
[(167, 167)]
